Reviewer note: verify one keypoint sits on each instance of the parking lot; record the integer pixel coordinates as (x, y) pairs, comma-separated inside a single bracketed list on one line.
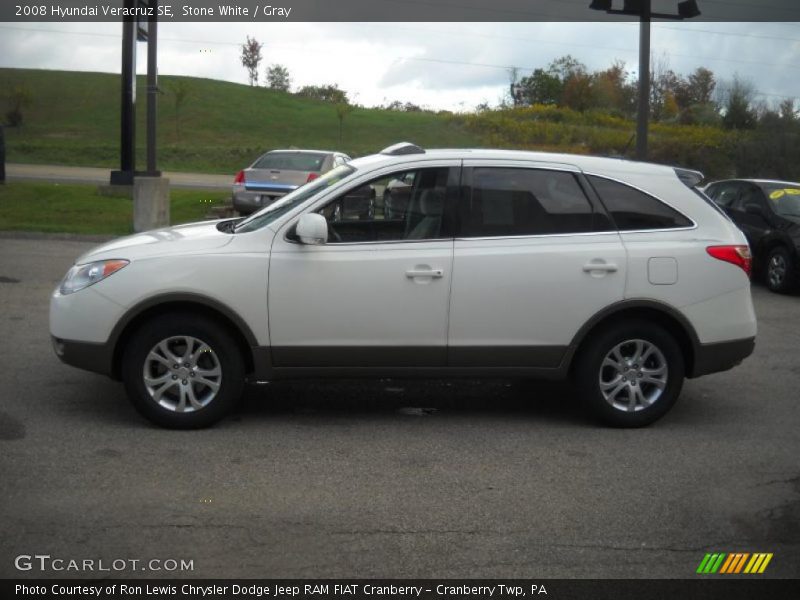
[(392, 478)]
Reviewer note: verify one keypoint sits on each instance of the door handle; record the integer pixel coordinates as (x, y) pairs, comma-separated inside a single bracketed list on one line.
[(434, 273), (605, 267)]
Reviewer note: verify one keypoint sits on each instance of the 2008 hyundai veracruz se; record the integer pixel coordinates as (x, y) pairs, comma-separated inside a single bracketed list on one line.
[(616, 274)]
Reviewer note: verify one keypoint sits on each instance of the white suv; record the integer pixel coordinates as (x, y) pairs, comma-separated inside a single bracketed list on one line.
[(616, 274)]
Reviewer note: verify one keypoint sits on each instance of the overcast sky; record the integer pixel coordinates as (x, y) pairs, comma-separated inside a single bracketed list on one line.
[(440, 65)]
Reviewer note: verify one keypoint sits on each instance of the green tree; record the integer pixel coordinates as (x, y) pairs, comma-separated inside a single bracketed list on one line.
[(251, 58), (695, 98), (739, 112), (18, 97), (180, 90), (540, 87), (325, 93), (787, 110), (342, 110), (565, 67), (546, 86), (579, 92), (699, 87), (278, 78), (614, 90), (663, 84)]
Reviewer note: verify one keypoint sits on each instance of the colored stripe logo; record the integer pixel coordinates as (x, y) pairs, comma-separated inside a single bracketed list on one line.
[(734, 563)]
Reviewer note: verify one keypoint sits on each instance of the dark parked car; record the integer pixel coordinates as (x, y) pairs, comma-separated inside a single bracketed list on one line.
[(768, 212)]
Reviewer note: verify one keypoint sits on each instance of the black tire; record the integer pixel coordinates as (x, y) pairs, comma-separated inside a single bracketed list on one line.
[(590, 361), (224, 352), (781, 270)]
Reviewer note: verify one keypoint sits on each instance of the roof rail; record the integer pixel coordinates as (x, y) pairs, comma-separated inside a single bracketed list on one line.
[(402, 148), (689, 177)]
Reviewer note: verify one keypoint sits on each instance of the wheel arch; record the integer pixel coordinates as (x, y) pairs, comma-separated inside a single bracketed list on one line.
[(775, 241), (650, 310), (185, 303)]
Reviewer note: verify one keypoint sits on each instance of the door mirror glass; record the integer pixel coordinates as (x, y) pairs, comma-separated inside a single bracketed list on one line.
[(312, 228)]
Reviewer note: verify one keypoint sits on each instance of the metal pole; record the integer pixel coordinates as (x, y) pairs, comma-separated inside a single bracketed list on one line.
[(2, 155), (643, 114), (127, 150), (152, 89)]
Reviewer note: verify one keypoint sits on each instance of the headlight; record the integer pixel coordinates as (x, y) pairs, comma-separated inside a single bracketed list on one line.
[(81, 276)]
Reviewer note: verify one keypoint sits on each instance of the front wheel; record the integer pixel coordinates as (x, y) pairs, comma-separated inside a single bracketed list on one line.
[(183, 372), (630, 375)]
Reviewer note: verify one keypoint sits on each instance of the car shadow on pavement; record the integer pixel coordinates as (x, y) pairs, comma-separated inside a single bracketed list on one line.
[(551, 401), (103, 400)]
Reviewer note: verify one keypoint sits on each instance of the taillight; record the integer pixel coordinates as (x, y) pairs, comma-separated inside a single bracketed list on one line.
[(312, 177), (737, 255), (239, 179)]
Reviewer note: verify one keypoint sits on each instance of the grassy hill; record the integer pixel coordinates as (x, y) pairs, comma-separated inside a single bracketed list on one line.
[(73, 119)]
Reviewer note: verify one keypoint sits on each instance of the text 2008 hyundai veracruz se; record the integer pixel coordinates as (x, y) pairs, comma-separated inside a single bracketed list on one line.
[(615, 274)]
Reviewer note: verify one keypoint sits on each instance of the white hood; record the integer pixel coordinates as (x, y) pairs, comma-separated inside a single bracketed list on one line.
[(181, 239)]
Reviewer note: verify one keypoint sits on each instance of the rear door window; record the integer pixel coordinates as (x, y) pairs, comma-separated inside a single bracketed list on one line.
[(634, 210), (514, 201)]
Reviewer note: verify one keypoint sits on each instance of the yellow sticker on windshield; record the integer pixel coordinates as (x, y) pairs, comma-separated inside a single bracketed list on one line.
[(778, 194)]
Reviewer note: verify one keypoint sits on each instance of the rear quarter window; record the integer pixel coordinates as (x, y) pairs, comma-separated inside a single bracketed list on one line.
[(634, 210)]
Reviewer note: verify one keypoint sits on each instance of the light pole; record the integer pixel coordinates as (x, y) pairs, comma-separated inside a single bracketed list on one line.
[(643, 9)]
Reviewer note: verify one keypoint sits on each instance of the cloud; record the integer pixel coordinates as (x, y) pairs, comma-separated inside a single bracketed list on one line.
[(442, 65)]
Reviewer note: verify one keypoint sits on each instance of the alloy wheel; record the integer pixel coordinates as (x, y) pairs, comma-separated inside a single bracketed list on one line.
[(633, 375), (776, 270), (182, 374)]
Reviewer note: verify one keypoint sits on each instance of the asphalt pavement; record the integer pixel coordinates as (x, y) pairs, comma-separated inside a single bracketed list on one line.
[(391, 478)]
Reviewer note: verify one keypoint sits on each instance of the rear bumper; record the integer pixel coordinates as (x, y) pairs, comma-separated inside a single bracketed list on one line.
[(721, 356), (248, 202)]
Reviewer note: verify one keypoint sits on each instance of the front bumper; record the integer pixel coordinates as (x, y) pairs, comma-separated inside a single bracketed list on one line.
[(721, 356), (88, 356)]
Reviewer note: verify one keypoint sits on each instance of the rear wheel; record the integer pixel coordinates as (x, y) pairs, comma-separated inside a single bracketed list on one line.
[(781, 273), (631, 374), (183, 372)]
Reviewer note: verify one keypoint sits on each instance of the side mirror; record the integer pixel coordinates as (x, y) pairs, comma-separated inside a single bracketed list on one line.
[(753, 209), (312, 229)]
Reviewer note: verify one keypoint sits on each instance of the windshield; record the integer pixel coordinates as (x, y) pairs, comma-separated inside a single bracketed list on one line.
[(710, 202), (268, 214), (785, 199)]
